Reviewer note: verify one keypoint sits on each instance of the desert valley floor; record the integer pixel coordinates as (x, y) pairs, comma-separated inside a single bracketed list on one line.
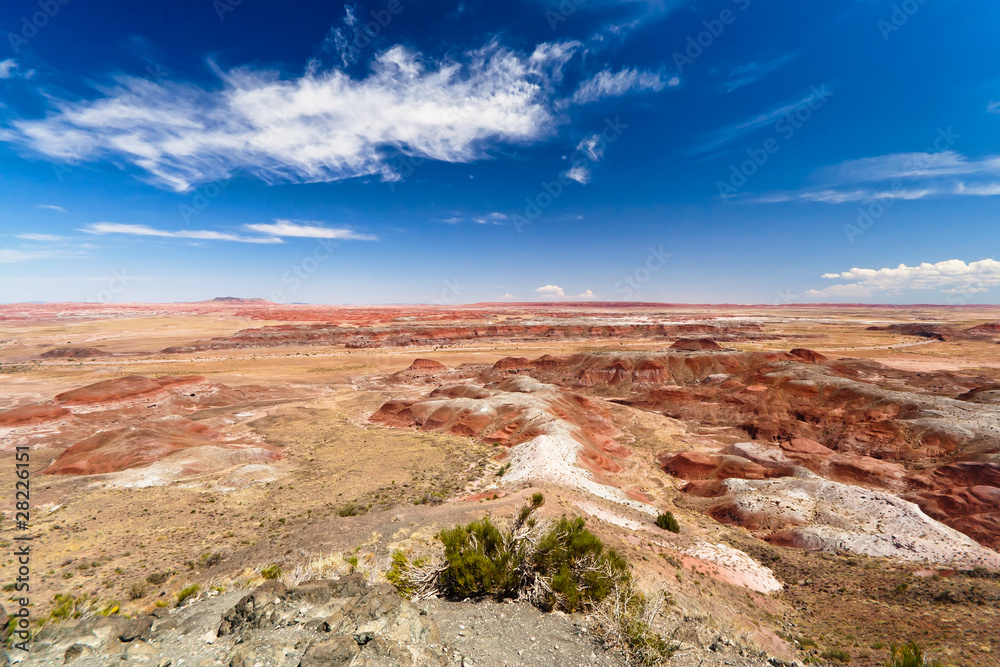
[(835, 470)]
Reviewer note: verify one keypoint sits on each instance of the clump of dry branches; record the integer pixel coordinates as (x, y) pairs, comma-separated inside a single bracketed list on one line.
[(624, 622)]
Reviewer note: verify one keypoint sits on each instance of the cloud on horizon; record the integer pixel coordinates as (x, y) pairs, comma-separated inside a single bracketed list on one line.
[(550, 290), (42, 238), (949, 276)]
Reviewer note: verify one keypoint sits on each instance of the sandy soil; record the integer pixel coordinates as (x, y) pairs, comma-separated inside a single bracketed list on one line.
[(348, 487)]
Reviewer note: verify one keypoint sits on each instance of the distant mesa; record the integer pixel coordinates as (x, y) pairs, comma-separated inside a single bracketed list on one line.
[(427, 365), (695, 344), (74, 353), (920, 329), (989, 328), (236, 299)]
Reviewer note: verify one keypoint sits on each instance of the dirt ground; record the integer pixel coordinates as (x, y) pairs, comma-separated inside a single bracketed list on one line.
[(349, 488)]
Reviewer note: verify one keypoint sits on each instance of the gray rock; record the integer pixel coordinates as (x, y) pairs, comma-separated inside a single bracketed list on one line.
[(331, 653)]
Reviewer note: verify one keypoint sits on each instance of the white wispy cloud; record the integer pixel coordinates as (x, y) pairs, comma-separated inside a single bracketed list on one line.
[(323, 125), (953, 275), (101, 228), (734, 131), (744, 75), (832, 196), (908, 166), (592, 146), (308, 230), (579, 174), (42, 238), (8, 68), (977, 190), (16, 256), (494, 218), (629, 14), (550, 290), (52, 207), (907, 176), (589, 294), (615, 84)]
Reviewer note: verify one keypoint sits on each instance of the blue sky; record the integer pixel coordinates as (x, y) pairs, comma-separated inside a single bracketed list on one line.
[(400, 151)]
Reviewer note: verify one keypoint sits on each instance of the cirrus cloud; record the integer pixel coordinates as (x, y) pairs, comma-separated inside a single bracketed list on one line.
[(102, 228), (308, 230), (323, 125), (616, 84)]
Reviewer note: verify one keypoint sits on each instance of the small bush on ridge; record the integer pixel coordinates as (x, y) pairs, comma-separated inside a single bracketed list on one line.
[(666, 521)]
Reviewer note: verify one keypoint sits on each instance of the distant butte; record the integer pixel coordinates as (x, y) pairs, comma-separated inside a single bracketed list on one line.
[(236, 299)]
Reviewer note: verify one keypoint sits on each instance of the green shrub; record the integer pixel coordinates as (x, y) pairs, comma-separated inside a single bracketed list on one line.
[(567, 567), (350, 509), (187, 592), (67, 607), (480, 561), (580, 569), (397, 574), (666, 521), (837, 654), (210, 559), (272, 571), (158, 578), (137, 590), (908, 655), (110, 609)]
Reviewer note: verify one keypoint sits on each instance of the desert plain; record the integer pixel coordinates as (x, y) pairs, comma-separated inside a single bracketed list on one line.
[(834, 470)]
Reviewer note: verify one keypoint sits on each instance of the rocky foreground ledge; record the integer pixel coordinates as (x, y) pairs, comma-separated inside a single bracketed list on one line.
[(332, 623)]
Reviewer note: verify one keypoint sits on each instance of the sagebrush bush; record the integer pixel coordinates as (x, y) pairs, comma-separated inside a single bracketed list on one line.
[(837, 654), (481, 561), (667, 521), (908, 655), (563, 566), (580, 569), (272, 571), (137, 590), (158, 578), (350, 509), (187, 592), (559, 565), (399, 572)]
